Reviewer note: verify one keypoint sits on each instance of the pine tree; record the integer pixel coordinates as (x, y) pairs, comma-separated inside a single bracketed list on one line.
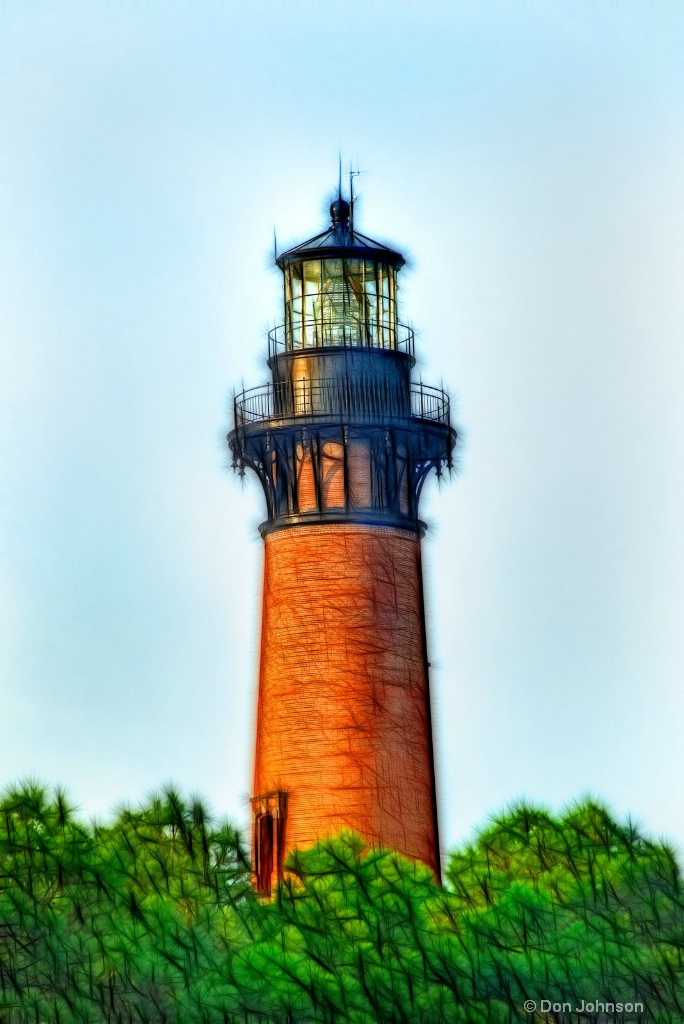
[(151, 918)]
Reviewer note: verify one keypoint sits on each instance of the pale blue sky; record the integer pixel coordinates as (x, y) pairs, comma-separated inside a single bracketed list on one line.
[(529, 157)]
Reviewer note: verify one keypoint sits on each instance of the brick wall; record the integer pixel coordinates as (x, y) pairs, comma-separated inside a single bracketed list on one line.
[(343, 716)]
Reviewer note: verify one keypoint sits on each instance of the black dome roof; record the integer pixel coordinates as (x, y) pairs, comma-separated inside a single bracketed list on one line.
[(340, 240)]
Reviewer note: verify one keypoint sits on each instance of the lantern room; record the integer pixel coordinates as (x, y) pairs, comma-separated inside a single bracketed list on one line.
[(340, 289)]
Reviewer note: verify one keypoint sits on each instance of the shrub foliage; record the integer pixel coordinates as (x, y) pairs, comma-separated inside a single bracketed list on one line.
[(152, 919)]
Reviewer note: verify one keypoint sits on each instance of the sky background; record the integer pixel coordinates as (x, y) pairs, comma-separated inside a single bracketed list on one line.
[(529, 158)]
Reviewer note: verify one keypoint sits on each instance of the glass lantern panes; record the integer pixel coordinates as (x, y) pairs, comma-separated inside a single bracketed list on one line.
[(340, 302)]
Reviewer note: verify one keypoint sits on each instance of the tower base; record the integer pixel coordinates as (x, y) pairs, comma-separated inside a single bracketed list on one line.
[(343, 721)]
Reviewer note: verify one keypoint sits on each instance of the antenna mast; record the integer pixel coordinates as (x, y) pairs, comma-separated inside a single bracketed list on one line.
[(352, 175)]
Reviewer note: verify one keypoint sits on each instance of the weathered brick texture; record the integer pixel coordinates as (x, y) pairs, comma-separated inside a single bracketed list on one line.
[(343, 715)]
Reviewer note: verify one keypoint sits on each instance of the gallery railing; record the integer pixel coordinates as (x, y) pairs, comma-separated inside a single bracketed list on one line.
[(364, 400), (344, 333)]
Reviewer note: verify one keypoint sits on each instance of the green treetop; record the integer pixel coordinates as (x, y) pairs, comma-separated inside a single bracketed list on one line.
[(152, 919)]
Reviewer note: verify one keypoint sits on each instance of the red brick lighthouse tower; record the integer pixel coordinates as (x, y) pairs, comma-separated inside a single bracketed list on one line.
[(342, 442)]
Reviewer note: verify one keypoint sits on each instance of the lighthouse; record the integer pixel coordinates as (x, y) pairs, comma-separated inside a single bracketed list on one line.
[(342, 440)]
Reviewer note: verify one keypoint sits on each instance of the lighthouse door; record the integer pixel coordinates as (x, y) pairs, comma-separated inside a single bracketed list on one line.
[(264, 852)]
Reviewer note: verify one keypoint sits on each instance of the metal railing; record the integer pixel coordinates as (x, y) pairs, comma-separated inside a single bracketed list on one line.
[(312, 334), (430, 403), (365, 400)]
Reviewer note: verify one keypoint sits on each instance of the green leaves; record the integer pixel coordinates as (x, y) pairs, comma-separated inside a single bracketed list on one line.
[(152, 919)]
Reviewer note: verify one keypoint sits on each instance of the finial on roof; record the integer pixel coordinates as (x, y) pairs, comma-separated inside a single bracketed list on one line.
[(339, 211)]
